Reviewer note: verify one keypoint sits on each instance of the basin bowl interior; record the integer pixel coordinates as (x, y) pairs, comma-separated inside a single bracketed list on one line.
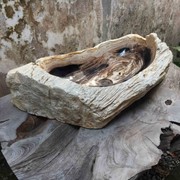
[(106, 64)]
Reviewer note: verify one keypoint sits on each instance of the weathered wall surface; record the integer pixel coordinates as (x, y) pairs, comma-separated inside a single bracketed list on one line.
[(30, 29)]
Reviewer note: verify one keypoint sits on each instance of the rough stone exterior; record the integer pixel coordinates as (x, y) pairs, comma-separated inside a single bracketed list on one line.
[(38, 92)]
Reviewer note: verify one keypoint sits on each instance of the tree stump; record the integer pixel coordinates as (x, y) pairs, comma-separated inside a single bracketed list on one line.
[(38, 148)]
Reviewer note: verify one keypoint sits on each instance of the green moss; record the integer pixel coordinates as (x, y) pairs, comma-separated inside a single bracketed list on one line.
[(9, 11)]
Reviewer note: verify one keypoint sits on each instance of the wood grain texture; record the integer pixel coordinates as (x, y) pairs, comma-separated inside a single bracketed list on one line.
[(125, 147), (9, 115), (4, 90), (36, 91), (109, 69)]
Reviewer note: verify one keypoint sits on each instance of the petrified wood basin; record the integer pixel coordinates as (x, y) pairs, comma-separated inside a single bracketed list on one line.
[(90, 87)]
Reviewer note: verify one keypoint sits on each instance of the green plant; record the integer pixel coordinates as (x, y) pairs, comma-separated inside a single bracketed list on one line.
[(176, 55)]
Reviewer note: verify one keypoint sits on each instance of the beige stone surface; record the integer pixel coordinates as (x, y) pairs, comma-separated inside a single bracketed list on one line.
[(33, 29), (36, 91)]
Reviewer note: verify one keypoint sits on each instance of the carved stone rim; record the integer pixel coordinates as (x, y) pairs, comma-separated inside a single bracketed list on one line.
[(80, 57)]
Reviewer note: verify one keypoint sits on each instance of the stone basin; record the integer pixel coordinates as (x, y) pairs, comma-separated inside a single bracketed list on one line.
[(89, 88)]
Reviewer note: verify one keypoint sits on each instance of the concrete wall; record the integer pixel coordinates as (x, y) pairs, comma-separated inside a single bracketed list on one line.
[(30, 29)]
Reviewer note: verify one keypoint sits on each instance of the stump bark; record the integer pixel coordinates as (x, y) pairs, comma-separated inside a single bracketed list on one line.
[(38, 148)]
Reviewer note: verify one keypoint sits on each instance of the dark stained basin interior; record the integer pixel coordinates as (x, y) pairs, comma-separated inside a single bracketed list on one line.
[(65, 71), (109, 69)]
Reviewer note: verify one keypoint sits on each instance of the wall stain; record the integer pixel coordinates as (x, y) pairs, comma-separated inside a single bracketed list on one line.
[(47, 27), (20, 26), (5, 1), (9, 11)]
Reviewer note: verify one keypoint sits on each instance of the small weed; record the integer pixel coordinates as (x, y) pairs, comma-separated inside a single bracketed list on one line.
[(176, 55)]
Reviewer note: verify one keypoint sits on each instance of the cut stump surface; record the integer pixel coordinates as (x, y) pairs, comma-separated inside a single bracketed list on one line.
[(37, 148)]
